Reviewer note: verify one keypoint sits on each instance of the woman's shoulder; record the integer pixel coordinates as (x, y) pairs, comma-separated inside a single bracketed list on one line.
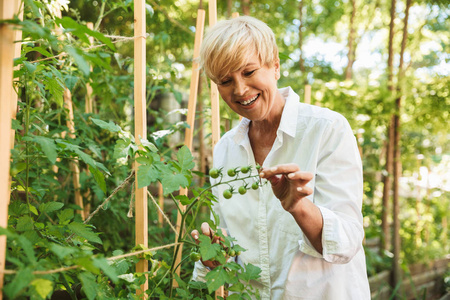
[(317, 115)]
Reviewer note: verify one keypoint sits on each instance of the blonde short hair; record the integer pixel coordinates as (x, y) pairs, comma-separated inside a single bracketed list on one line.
[(229, 45)]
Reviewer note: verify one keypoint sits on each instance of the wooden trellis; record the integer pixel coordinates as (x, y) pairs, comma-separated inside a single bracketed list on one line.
[(189, 133), (140, 130), (7, 111)]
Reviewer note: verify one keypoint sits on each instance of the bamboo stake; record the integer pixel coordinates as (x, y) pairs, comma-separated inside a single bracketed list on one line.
[(140, 131), (189, 133), (161, 204), (215, 112), (6, 90), (308, 94), (17, 53), (89, 100), (88, 107), (234, 16), (68, 105)]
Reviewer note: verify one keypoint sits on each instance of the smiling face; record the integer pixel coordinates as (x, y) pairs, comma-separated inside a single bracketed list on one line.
[(252, 91)]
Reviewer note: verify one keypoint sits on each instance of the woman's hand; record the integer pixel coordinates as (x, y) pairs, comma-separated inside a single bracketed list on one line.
[(288, 184), (206, 230)]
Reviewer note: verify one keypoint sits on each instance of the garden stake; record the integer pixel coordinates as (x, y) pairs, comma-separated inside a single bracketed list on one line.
[(68, 105), (307, 94), (190, 119), (88, 109), (6, 90), (140, 132), (215, 112)]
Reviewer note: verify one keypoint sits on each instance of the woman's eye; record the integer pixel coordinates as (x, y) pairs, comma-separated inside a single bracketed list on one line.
[(249, 73), (225, 82)]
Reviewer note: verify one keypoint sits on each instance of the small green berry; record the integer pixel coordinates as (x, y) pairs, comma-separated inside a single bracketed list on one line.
[(214, 173), (227, 194), (255, 186), (245, 169), (231, 172), (242, 190)]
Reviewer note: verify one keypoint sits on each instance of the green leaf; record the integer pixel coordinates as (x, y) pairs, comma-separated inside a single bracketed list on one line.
[(99, 178), (111, 126), (208, 250), (70, 81), (62, 251), (144, 160), (27, 247), (89, 284), (215, 279), (79, 60), (16, 125), (185, 158), (55, 89), (48, 146), (184, 199), (43, 287), (65, 216), (24, 223), (20, 281), (85, 232), (33, 209), (173, 182), (104, 265), (150, 146), (251, 272), (30, 66), (50, 207), (146, 175), (121, 149)]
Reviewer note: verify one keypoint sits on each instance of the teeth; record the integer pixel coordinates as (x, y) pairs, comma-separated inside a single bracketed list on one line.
[(249, 100)]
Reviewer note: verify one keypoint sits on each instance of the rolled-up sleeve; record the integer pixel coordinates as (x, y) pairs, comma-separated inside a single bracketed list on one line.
[(338, 192)]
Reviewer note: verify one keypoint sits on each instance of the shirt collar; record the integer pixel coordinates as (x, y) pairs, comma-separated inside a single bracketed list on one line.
[(288, 123)]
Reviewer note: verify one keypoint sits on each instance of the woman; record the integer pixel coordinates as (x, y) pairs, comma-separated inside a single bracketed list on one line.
[(304, 230)]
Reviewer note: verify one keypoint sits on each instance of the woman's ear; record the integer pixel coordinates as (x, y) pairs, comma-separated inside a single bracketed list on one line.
[(277, 69)]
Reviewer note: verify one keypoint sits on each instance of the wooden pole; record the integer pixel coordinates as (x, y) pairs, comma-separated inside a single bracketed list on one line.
[(308, 94), (17, 53), (89, 100), (68, 105), (192, 104), (6, 90), (140, 131), (234, 16), (88, 108), (215, 111)]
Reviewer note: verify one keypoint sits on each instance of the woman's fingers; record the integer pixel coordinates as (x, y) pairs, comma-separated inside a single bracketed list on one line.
[(194, 234), (278, 170), (290, 171)]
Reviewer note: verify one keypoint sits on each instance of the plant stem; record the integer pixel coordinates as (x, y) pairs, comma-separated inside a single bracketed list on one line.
[(27, 158), (183, 221)]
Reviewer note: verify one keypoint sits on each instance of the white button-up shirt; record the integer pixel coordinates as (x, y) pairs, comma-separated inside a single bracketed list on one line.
[(319, 141)]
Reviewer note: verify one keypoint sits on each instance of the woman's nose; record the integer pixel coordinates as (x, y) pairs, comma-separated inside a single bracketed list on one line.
[(240, 87)]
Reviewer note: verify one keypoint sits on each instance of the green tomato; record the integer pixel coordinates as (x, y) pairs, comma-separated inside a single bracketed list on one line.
[(255, 186), (238, 253), (195, 256), (231, 172), (227, 194), (224, 253), (232, 253), (242, 190), (214, 173), (245, 169)]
